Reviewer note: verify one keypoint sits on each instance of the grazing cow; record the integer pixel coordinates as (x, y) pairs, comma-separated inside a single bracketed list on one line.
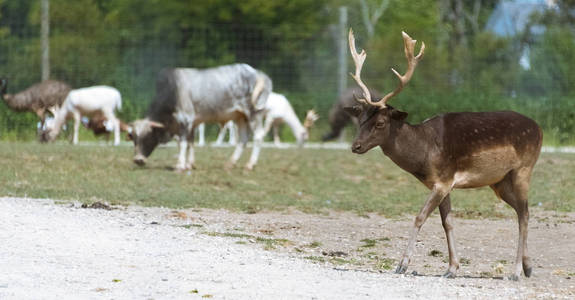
[(186, 98), (278, 111), (96, 101)]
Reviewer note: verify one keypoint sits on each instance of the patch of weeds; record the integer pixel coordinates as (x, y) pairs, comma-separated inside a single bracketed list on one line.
[(313, 244), (427, 266), (465, 261), (271, 244), (207, 296), (315, 258), (116, 280), (368, 243), (486, 274), (230, 234), (502, 261), (188, 226), (435, 253), (385, 263), (241, 242), (339, 261), (194, 291)]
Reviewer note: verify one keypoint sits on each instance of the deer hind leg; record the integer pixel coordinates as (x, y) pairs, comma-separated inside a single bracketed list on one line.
[(438, 193), (513, 190), (445, 209)]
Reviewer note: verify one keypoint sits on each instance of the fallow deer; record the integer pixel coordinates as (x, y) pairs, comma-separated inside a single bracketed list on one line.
[(448, 151)]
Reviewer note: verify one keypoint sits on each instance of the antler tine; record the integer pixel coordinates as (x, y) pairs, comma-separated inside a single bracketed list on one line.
[(310, 118), (409, 45), (358, 60)]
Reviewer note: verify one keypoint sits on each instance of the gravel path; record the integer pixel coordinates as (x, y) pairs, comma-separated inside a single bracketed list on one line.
[(60, 251)]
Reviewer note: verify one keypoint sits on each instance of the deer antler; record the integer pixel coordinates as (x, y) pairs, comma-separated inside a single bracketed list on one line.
[(359, 59), (310, 119)]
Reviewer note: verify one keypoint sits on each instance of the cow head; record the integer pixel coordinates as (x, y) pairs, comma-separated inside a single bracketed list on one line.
[(146, 135), (47, 132)]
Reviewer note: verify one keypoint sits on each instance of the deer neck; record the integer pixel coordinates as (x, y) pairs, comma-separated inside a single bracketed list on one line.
[(408, 148)]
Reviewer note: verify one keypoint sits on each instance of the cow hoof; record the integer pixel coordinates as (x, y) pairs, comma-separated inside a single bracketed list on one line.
[(514, 277), (448, 274), (249, 168)]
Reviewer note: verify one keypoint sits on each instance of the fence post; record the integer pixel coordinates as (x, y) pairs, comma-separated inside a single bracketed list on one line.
[(342, 51), (45, 32)]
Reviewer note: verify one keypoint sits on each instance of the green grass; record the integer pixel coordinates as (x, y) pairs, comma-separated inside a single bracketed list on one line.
[(310, 180)]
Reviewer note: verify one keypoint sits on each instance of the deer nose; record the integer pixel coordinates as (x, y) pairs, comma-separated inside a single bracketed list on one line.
[(355, 147)]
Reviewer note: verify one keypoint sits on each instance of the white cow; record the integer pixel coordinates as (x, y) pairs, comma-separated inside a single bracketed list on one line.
[(278, 110), (96, 101)]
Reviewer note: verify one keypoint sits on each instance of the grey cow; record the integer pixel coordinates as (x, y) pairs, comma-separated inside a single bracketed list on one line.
[(187, 97)]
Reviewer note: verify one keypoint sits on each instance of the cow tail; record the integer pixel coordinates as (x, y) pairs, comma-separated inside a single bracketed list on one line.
[(258, 88)]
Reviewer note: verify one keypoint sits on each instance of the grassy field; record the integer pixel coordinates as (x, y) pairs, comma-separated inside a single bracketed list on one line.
[(310, 180)]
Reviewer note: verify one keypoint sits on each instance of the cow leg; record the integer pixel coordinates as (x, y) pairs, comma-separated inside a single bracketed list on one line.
[(191, 163), (201, 135), (221, 134), (244, 134), (444, 210), (233, 133), (277, 141), (77, 118), (258, 139), (183, 148), (115, 124), (438, 193)]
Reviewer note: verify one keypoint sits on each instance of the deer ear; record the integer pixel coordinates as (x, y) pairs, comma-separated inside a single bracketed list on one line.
[(354, 111), (398, 115)]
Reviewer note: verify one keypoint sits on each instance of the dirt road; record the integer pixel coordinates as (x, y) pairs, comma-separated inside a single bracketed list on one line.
[(61, 251)]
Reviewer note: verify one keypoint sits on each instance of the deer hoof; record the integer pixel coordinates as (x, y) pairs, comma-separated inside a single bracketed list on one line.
[(401, 269), (514, 277), (249, 168), (527, 271), (448, 274)]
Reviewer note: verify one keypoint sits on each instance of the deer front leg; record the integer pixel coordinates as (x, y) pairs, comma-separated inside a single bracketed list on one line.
[(445, 209), (433, 200)]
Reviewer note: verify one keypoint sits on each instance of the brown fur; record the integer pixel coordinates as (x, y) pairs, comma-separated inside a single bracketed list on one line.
[(338, 118), (457, 150), (38, 98), (96, 124)]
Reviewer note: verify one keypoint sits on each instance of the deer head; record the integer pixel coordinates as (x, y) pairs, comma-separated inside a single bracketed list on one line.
[(377, 120)]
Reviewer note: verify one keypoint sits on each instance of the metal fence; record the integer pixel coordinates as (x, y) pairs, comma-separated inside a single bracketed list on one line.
[(309, 69)]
